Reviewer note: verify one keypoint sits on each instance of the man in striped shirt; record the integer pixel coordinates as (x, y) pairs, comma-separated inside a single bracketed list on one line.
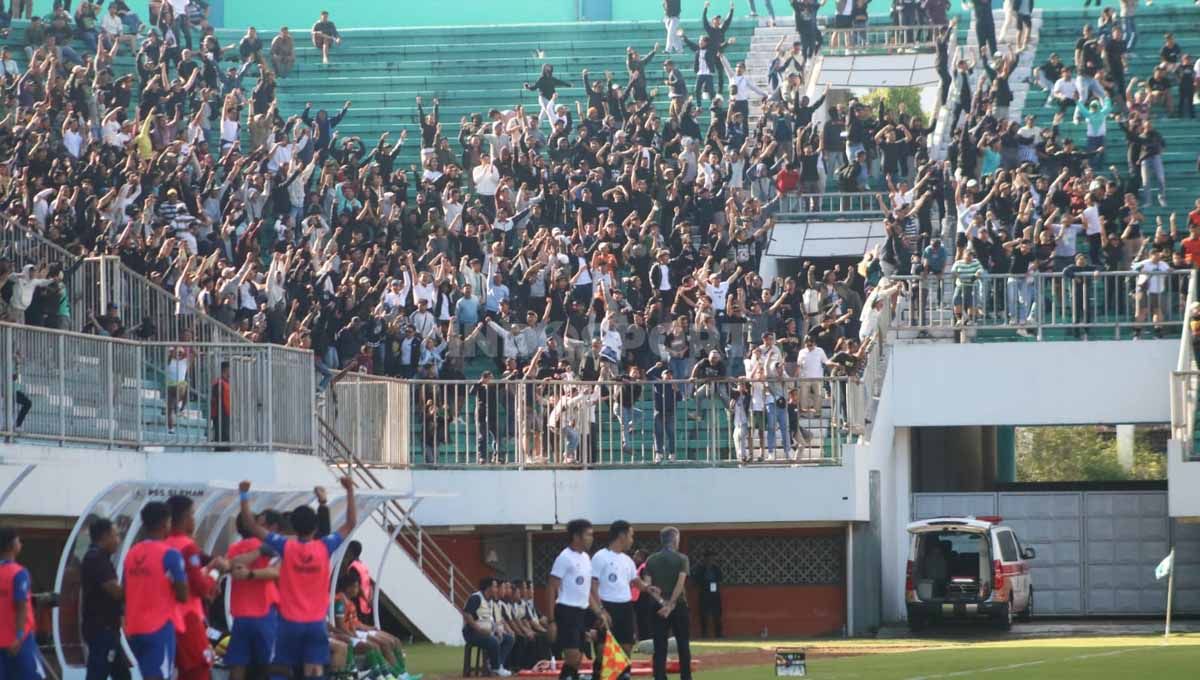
[(966, 272)]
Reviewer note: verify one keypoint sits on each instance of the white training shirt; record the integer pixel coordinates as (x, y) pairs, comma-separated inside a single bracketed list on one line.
[(613, 571), (1091, 219), (717, 294), (574, 569)]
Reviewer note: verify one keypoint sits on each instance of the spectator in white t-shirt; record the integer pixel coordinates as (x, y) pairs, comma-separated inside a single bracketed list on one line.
[(718, 290), (811, 362), (1151, 289)]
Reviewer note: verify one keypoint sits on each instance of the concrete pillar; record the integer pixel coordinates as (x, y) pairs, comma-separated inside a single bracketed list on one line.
[(1125, 445), (1006, 455), (896, 513)]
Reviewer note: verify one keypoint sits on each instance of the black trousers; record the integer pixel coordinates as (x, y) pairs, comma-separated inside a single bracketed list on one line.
[(645, 609), (985, 31), (24, 403), (222, 429), (943, 75), (710, 608), (677, 625)]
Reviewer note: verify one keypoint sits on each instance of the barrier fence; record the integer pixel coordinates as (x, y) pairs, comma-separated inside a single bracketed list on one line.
[(841, 203), (142, 301), (543, 423), (879, 39), (70, 387), (1127, 304)]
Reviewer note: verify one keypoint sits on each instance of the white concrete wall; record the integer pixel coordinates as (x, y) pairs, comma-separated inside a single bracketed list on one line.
[(1183, 497), (1028, 383), (685, 495), (890, 454)]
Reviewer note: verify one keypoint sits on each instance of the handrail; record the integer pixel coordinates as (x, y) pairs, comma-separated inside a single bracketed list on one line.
[(140, 299), (876, 38), (430, 558), (1185, 380), (97, 390), (830, 202), (1187, 359), (29, 245), (876, 365), (1030, 304), (603, 423)]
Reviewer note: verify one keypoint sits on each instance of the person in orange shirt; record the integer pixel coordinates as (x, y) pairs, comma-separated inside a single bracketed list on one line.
[(18, 642), (253, 600), (1194, 216), (1191, 244)]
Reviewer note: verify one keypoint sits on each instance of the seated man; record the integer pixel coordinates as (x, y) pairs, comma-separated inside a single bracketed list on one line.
[(483, 630), (382, 650)]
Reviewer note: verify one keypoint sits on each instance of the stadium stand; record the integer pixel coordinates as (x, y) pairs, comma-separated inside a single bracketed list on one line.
[(407, 253)]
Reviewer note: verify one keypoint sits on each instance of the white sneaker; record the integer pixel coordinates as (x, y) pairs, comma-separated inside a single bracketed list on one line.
[(503, 672)]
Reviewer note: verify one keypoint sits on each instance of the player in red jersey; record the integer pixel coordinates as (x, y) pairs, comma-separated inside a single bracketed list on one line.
[(155, 586), (253, 599), (193, 657), (302, 636), (18, 644)]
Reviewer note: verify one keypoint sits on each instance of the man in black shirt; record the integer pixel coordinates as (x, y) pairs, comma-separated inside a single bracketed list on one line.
[(487, 415), (1081, 274), (1114, 61), (985, 26), (102, 598), (1021, 286), (708, 373)]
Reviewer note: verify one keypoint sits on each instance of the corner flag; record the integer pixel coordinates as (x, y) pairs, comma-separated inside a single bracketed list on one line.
[(1165, 567), (615, 660)]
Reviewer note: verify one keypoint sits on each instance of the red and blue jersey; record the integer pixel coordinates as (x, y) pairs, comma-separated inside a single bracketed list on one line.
[(201, 586), (14, 593), (304, 576), (151, 567), (251, 598)]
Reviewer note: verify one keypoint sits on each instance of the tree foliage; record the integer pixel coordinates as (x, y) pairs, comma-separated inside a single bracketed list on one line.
[(1081, 454), (892, 97)]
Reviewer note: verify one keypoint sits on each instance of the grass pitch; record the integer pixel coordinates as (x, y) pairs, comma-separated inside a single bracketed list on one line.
[(1083, 658)]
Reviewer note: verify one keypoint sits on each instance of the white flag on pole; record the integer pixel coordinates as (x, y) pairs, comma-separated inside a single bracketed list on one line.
[(1164, 568)]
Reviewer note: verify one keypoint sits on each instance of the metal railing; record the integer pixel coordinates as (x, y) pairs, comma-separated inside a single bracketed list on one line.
[(875, 370), (873, 39), (1185, 380), (839, 203), (69, 387), (1118, 304), (542, 423), (394, 519), (26, 247), (140, 300)]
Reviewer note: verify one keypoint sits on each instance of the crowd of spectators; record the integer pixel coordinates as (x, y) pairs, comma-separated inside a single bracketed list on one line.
[(618, 241), (1027, 199), (640, 219)]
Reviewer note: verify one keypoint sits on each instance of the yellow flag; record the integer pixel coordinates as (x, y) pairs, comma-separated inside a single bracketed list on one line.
[(615, 660)]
